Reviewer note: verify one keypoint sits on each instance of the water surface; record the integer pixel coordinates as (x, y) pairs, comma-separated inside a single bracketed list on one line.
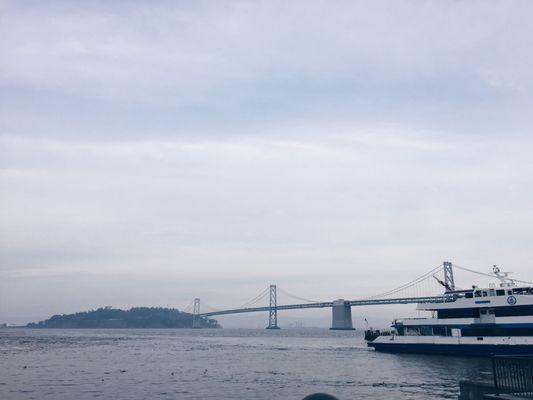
[(134, 364)]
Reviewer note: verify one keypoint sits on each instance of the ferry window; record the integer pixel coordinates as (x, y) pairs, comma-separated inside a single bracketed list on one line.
[(483, 312), (470, 295), (484, 294), (509, 292), (492, 331), (458, 313), (514, 311), (412, 332), (426, 331), (490, 312), (492, 292), (517, 291), (500, 292), (442, 331), (478, 293)]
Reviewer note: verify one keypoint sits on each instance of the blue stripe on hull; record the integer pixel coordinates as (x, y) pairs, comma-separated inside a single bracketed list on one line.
[(454, 349)]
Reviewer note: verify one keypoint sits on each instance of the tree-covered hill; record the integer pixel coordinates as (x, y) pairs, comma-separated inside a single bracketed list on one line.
[(137, 317)]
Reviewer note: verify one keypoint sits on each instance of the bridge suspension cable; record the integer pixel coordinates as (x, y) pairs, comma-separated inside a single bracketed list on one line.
[(205, 305), (407, 285), (297, 297), (486, 274), (260, 296), (189, 307)]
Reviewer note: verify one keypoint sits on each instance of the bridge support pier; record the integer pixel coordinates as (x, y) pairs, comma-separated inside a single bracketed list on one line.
[(341, 316), (273, 311)]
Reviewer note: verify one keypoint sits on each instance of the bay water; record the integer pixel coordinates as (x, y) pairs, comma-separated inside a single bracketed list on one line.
[(130, 364)]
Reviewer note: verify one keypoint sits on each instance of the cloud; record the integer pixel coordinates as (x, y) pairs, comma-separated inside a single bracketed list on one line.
[(146, 199), (164, 68)]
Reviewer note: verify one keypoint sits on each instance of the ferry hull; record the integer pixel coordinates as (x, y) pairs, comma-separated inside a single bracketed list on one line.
[(485, 350)]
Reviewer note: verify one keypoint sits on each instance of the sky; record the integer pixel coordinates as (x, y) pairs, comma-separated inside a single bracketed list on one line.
[(152, 152)]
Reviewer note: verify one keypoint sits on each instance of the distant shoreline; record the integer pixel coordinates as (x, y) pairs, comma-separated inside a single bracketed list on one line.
[(134, 318), (102, 328)]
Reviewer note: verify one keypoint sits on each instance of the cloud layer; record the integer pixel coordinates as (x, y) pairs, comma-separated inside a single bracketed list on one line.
[(154, 152), (165, 68)]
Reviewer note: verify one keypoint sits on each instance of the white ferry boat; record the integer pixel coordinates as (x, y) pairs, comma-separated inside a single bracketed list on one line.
[(497, 320)]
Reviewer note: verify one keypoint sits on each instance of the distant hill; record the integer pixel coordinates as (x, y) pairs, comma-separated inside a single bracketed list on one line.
[(137, 317)]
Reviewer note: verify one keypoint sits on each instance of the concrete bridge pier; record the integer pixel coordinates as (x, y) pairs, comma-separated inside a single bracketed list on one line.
[(341, 316)]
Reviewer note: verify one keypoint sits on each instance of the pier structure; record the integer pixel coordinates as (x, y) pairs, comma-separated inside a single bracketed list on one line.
[(341, 312)]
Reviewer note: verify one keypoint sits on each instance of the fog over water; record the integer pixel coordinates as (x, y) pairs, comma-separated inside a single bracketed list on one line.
[(153, 152)]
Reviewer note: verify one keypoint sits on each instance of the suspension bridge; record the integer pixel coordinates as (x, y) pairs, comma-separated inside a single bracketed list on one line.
[(419, 290)]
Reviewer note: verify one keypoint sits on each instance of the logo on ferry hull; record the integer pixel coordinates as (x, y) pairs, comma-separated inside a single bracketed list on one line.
[(511, 300)]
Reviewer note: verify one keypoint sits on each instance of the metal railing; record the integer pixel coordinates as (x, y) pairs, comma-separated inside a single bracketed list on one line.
[(513, 375)]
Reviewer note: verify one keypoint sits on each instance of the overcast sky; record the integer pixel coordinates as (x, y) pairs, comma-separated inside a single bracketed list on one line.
[(152, 152)]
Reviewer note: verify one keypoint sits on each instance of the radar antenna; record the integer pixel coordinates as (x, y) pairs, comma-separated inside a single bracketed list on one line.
[(505, 281)]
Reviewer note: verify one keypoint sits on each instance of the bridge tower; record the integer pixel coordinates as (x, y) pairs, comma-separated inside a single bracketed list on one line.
[(196, 314), (342, 316), (273, 311), (448, 276)]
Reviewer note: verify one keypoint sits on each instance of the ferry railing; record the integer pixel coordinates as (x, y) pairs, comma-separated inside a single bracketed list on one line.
[(513, 375)]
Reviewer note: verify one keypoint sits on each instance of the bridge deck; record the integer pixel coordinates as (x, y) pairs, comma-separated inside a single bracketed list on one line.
[(406, 300)]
